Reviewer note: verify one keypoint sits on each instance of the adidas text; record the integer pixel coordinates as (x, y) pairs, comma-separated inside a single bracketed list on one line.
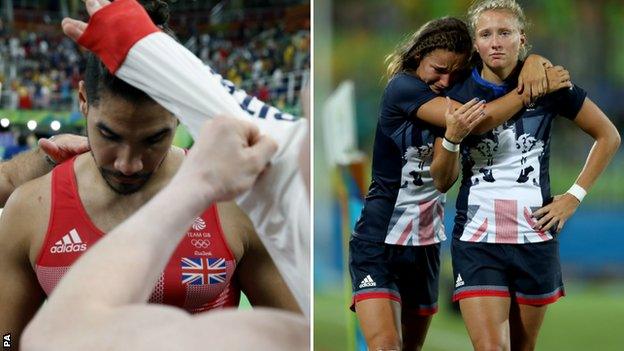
[(68, 248)]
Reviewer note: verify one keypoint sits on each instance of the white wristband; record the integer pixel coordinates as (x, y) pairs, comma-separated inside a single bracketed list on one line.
[(450, 146), (577, 191)]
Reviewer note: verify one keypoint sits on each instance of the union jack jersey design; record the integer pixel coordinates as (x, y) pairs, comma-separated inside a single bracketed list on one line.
[(418, 216), (197, 278), (402, 206), (505, 171), (202, 271)]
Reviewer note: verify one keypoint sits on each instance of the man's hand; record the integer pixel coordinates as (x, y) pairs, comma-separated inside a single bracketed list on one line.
[(462, 121), (64, 146), (556, 213), (226, 159), (75, 28)]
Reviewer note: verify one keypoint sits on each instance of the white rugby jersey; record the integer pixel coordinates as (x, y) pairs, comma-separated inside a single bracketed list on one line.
[(402, 206), (505, 175), (128, 43)]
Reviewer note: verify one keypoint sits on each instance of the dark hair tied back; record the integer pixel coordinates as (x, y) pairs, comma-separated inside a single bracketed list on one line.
[(158, 11), (446, 33)]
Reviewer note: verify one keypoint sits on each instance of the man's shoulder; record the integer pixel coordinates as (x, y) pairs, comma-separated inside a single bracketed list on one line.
[(25, 214), (31, 195)]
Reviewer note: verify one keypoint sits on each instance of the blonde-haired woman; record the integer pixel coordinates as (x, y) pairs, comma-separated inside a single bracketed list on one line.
[(505, 249), (395, 245)]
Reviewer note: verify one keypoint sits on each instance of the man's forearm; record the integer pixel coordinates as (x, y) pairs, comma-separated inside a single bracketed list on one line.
[(22, 168)]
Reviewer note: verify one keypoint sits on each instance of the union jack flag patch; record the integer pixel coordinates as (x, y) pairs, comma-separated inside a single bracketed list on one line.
[(203, 271)]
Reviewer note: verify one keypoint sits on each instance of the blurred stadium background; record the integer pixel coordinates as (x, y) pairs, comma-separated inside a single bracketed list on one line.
[(261, 46), (351, 41)]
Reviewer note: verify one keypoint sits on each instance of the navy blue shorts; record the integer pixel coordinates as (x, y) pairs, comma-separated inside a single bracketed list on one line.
[(407, 274), (531, 273)]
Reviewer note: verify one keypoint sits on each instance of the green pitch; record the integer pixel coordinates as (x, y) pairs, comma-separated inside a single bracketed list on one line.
[(590, 317)]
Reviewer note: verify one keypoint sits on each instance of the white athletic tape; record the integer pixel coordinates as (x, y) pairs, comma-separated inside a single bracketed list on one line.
[(452, 147), (577, 191)]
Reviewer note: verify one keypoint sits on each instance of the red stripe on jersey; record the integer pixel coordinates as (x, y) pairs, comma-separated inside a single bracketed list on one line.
[(425, 220), (421, 311), (479, 293), (540, 301), (113, 30), (506, 219), (531, 221), (405, 234), (427, 311), (477, 235), (373, 295), (440, 211)]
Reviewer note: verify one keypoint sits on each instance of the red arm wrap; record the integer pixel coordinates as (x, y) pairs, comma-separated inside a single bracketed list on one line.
[(114, 29)]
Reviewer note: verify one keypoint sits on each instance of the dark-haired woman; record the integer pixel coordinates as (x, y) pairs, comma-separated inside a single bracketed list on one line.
[(395, 245)]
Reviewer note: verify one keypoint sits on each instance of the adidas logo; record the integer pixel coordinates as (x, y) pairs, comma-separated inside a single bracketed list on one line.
[(459, 282), (70, 242), (367, 282)]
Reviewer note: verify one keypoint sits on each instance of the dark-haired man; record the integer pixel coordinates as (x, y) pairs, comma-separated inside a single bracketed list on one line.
[(51, 221), (98, 298), (135, 50)]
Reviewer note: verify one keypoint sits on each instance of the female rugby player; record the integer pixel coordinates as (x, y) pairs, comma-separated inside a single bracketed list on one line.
[(505, 249), (394, 248)]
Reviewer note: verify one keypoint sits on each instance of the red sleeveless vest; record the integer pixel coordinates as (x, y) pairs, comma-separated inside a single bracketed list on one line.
[(197, 278)]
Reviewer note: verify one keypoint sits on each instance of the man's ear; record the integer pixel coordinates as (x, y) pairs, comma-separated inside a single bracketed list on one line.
[(82, 99)]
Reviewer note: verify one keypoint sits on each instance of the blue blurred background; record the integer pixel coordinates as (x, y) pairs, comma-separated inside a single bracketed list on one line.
[(350, 42)]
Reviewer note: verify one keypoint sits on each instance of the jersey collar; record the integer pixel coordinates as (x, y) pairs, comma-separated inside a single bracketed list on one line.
[(499, 90)]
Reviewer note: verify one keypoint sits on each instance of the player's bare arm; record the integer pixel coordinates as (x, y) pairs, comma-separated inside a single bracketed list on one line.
[(500, 110), (532, 80), (459, 123), (595, 123), (21, 221)]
